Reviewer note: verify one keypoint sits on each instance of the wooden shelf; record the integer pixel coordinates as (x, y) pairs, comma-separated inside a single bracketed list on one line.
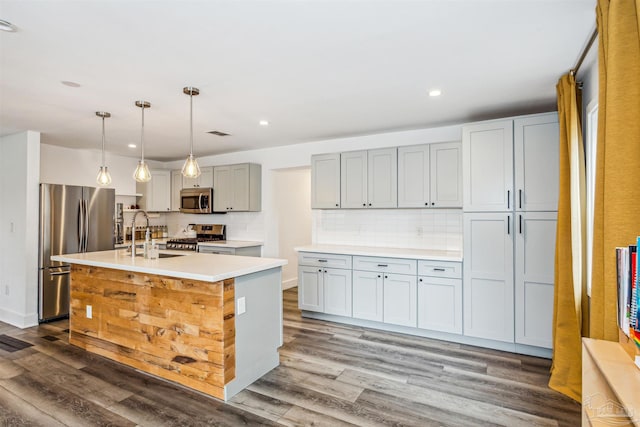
[(610, 385)]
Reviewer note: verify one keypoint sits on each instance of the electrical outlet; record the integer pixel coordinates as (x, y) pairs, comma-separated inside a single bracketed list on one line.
[(89, 312), (242, 305)]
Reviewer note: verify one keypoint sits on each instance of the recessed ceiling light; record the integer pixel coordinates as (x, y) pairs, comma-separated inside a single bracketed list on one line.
[(264, 122), (435, 92), (7, 26), (70, 84), (132, 145)]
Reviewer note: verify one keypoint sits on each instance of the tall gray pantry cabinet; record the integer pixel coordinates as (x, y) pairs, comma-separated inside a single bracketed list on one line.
[(510, 181)]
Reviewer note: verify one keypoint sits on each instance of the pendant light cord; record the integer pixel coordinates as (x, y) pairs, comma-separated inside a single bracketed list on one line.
[(142, 136), (191, 120), (103, 141)]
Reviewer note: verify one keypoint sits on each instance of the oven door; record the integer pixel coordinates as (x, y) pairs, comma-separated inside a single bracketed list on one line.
[(196, 200)]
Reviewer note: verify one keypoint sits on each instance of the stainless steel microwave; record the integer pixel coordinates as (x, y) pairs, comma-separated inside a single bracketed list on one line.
[(197, 200)]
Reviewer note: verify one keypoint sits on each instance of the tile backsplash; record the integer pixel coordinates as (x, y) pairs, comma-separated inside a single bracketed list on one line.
[(393, 228)]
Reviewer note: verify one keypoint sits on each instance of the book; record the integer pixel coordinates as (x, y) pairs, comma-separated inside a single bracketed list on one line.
[(635, 306)]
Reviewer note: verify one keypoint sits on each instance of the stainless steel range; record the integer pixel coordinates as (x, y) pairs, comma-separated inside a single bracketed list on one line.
[(204, 233)]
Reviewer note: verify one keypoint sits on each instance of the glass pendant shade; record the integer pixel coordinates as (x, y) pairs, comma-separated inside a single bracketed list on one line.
[(104, 177), (191, 168), (142, 174)]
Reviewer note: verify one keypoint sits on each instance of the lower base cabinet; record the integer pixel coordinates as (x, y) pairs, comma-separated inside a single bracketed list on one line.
[(367, 295), (440, 304), (322, 288), (400, 295)]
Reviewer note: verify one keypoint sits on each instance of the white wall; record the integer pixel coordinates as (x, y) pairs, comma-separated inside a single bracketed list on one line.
[(19, 211), (61, 165), (292, 196)]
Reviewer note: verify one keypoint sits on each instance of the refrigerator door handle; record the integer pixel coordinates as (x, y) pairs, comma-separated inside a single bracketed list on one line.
[(59, 273), (80, 226), (86, 226)]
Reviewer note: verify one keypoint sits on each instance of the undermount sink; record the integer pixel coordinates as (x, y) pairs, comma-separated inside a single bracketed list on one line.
[(161, 255)]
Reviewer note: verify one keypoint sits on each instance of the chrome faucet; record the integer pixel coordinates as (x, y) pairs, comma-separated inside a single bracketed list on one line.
[(133, 231)]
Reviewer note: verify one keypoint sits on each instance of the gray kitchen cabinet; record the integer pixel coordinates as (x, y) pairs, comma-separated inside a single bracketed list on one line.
[(367, 295), (368, 179), (204, 180), (385, 289), (237, 188), (534, 277), (325, 181), (487, 156), (324, 283), (255, 251), (156, 194), (536, 154), (440, 296), (176, 187), (488, 276), (430, 175), (400, 295), (310, 288)]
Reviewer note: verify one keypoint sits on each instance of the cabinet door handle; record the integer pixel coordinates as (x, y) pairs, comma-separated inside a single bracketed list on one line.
[(508, 224), (520, 198), (379, 276), (426, 203), (369, 204), (325, 271), (322, 260), (383, 265), (508, 199), (364, 204), (438, 269), (336, 205), (419, 280), (386, 277), (319, 270), (520, 224)]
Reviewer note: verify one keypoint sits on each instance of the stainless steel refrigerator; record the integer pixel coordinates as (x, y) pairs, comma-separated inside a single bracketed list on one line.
[(72, 219)]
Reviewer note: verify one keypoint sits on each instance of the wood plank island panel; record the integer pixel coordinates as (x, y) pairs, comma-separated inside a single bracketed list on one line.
[(182, 330)]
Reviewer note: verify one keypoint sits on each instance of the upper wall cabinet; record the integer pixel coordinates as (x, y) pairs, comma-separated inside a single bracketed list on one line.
[(369, 179), (325, 181), (497, 152), (204, 180), (536, 150), (237, 188), (430, 175), (487, 156), (156, 194)]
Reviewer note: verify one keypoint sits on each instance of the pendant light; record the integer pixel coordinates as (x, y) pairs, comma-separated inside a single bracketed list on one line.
[(103, 178), (191, 168), (142, 173)]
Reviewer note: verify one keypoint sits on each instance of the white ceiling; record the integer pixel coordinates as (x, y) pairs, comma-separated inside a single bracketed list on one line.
[(315, 69)]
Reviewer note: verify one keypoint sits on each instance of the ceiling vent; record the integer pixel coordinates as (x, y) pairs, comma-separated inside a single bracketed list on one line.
[(217, 133)]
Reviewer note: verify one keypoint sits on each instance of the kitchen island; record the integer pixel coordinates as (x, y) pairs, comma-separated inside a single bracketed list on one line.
[(212, 323)]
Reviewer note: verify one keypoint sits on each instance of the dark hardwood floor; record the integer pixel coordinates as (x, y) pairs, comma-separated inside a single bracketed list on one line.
[(329, 375)]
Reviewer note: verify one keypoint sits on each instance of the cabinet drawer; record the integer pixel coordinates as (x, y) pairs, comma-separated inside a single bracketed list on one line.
[(324, 260), (386, 265), (449, 269)]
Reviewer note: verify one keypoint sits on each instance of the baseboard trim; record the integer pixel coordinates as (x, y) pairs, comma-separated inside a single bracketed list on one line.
[(17, 319), (290, 283)]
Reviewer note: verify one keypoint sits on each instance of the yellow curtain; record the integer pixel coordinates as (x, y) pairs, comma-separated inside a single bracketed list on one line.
[(617, 198), (566, 370)]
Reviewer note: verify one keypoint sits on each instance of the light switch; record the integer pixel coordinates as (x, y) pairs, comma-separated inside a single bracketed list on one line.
[(89, 312), (242, 305)]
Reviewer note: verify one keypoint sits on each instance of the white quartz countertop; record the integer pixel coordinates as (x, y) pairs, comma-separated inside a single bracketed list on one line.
[(420, 254), (234, 244), (192, 265)]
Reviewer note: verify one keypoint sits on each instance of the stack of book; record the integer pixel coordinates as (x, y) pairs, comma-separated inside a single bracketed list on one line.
[(629, 291)]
